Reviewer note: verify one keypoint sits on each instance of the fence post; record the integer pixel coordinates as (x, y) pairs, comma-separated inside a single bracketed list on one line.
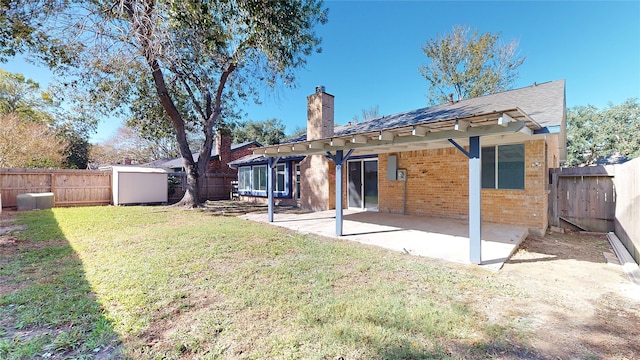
[(555, 217), (53, 188)]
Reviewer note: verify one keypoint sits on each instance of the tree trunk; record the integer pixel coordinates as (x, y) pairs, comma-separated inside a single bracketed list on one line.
[(142, 27), (191, 198)]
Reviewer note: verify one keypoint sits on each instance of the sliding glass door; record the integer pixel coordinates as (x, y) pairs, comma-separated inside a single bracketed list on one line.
[(362, 189)]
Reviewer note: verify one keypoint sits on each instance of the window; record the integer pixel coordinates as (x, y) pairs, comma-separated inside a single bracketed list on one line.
[(244, 178), (280, 178), (259, 178), (297, 181), (252, 180), (503, 167)]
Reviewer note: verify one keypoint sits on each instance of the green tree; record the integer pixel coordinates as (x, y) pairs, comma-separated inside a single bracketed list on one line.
[(15, 28), (468, 64), (594, 134), (22, 30), (22, 96), (211, 53), (76, 150), (268, 132)]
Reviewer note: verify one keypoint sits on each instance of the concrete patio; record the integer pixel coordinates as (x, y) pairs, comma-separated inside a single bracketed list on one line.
[(441, 238)]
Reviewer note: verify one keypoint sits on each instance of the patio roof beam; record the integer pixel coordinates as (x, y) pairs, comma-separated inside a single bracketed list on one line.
[(419, 131), (386, 136), (525, 130), (465, 152), (321, 146), (461, 125), (359, 139), (316, 145), (300, 147), (505, 119)]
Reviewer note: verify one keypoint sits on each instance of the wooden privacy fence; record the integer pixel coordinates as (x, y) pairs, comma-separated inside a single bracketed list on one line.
[(93, 187), (627, 222), (212, 186), (599, 198), (583, 197), (70, 187)]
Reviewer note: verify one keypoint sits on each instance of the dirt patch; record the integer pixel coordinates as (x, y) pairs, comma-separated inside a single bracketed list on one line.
[(237, 208), (571, 302), (7, 228)]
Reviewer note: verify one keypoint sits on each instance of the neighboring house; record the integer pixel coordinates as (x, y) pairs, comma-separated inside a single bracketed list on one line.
[(222, 154), (485, 157)]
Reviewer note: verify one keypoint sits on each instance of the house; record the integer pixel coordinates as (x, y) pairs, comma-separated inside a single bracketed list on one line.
[(222, 153), (481, 159)]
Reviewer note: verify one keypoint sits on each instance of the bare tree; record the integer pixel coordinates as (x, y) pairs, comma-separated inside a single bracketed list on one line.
[(128, 143), (38, 145), (367, 114)]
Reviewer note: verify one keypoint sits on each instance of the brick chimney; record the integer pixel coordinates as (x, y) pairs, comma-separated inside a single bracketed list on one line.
[(317, 192), (319, 115), (223, 147)]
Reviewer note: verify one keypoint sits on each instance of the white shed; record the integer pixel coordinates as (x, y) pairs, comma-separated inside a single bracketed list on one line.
[(139, 185)]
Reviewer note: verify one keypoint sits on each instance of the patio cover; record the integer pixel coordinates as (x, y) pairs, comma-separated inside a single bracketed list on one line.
[(496, 126)]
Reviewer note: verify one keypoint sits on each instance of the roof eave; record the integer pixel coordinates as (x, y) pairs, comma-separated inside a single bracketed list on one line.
[(505, 121)]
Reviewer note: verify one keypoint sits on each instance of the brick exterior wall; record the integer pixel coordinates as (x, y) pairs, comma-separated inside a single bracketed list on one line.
[(216, 166), (437, 185), (317, 188), (316, 183), (264, 200)]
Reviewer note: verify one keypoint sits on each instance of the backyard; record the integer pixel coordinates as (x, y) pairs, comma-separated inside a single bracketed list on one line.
[(161, 282)]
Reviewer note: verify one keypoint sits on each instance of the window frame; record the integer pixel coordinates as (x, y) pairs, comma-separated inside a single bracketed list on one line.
[(255, 175), (282, 170), (500, 172), (297, 181), (244, 178)]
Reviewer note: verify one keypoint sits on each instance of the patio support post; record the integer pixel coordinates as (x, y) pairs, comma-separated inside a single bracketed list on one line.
[(475, 200), (271, 163), (339, 160)]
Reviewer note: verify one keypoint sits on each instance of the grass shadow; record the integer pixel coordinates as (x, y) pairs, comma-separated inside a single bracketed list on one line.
[(47, 306)]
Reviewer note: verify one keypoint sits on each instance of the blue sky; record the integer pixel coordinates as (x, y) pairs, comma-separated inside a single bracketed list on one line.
[(372, 51)]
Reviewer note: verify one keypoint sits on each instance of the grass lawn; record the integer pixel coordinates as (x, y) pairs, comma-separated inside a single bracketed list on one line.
[(155, 282)]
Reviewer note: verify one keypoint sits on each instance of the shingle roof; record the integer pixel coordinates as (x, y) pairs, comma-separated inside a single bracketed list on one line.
[(177, 162), (235, 147), (260, 158), (544, 103)]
